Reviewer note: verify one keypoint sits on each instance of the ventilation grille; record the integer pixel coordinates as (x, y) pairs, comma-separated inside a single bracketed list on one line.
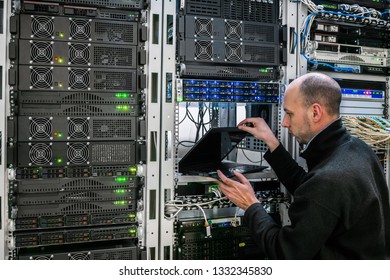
[(132, 4), (204, 7), (262, 33), (41, 52), (42, 27), (203, 27), (203, 50), (40, 128), (113, 56), (41, 77), (113, 81), (249, 10), (115, 32), (79, 54), (78, 128), (82, 97), (40, 154), (80, 29), (83, 110), (112, 128), (113, 153), (260, 54)]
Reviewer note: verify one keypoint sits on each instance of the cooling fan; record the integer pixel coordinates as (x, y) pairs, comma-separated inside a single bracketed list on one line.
[(80, 29), (203, 50), (79, 256), (78, 78), (42, 27), (233, 30), (79, 53), (78, 153), (40, 154), (41, 77), (41, 52), (42, 258), (40, 128), (233, 52), (203, 27), (78, 128)]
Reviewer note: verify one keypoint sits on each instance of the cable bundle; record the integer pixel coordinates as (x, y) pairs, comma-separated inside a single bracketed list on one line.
[(375, 131)]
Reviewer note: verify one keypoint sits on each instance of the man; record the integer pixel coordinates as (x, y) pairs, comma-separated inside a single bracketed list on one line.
[(341, 206)]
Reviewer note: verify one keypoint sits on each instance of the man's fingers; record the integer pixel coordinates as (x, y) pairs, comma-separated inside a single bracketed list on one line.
[(240, 177)]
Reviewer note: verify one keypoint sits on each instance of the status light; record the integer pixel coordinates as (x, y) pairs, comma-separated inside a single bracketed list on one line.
[(133, 169), (120, 191), (59, 160), (61, 35), (122, 107), (120, 202), (122, 95), (121, 179)]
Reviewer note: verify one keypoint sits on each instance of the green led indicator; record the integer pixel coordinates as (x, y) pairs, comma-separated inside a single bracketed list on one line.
[(120, 191), (61, 35), (133, 169), (60, 60), (122, 95), (122, 107), (121, 179), (179, 99), (120, 202), (133, 231), (263, 70), (132, 216), (59, 160)]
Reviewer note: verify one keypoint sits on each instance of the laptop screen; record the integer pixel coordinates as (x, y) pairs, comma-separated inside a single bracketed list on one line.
[(212, 148)]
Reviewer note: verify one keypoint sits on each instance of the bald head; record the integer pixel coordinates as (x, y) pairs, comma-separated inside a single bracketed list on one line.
[(319, 88)]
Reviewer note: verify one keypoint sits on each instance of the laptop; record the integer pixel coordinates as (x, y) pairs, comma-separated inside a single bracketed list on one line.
[(209, 153)]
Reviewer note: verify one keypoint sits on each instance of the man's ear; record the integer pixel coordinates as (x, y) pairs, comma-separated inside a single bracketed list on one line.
[(317, 112)]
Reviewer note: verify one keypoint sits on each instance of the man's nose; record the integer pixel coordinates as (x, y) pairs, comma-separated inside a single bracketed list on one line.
[(285, 122)]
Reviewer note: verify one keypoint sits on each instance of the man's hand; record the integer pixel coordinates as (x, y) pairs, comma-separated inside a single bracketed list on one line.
[(240, 193), (260, 129)]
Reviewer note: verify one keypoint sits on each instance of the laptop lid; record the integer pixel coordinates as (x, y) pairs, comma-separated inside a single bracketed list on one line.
[(211, 149)]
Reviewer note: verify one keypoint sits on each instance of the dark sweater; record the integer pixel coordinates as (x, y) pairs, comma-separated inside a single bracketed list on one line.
[(340, 208)]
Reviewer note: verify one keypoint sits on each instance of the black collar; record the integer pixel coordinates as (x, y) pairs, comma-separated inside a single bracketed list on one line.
[(324, 143)]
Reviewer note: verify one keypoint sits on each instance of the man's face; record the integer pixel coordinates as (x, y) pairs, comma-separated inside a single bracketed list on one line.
[(296, 118)]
